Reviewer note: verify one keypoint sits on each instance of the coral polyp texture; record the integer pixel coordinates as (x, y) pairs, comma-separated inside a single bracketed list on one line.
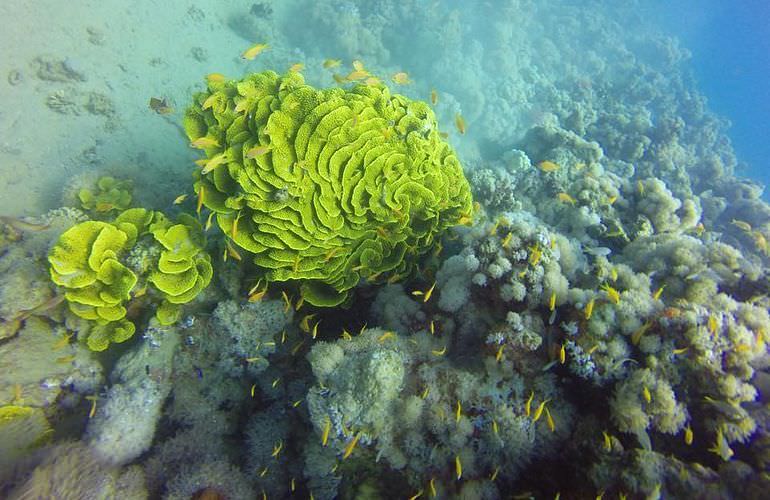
[(324, 186), (103, 266)]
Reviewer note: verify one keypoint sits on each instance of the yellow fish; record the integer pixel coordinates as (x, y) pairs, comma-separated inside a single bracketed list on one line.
[(179, 199), (589, 308), (358, 65), (549, 421), (688, 435), (325, 435), (277, 448), (458, 467), (637, 335), (234, 230), (210, 100), (566, 198), (401, 78), (351, 445), (356, 75), (607, 441), (552, 302), (528, 404), (231, 251), (742, 225), (539, 411), (440, 352), (713, 325), (204, 142), (699, 229), (256, 296), (331, 63), (257, 151), (548, 166), (612, 293), (214, 162), (215, 78), (460, 123), (372, 81), (315, 329), (92, 412), (160, 106), (535, 254), (253, 51), (433, 97), (296, 68)]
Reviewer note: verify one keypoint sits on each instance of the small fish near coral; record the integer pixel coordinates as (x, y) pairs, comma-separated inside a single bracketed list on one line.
[(160, 106)]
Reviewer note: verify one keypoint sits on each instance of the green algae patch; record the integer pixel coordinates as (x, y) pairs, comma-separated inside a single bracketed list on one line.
[(324, 187)]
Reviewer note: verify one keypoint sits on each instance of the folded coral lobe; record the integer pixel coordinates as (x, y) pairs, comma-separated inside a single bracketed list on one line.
[(325, 186)]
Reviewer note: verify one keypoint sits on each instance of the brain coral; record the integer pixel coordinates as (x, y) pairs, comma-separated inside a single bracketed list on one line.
[(324, 186)]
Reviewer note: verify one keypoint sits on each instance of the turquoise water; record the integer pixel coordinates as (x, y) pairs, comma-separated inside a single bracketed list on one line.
[(387, 249), (730, 45)]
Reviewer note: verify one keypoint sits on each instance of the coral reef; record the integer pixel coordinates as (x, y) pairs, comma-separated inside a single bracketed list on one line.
[(21, 429), (595, 324), (123, 424), (72, 470)]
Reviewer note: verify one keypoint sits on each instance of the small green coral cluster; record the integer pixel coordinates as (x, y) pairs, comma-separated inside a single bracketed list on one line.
[(325, 186), (109, 194), (99, 265)]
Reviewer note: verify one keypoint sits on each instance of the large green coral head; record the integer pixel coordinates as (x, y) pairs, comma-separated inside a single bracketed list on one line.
[(325, 186)]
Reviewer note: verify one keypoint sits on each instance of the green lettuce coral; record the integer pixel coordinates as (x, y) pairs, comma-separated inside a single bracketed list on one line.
[(183, 269), (109, 194), (103, 266), (325, 186), (85, 263)]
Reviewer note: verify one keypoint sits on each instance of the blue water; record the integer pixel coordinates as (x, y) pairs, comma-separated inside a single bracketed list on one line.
[(730, 45)]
